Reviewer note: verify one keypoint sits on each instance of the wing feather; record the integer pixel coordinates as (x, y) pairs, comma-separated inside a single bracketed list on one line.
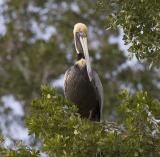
[(98, 89), (66, 77)]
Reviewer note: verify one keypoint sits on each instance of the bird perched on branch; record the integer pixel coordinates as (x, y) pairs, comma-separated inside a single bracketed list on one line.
[(82, 84)]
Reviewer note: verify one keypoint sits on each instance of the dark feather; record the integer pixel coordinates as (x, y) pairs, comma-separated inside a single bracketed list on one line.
[(82, 92)]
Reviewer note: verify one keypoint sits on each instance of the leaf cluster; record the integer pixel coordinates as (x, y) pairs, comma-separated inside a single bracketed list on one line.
[(62, 132), (140, 20)]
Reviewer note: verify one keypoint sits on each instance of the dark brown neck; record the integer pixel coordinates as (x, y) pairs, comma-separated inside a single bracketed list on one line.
[(80, 56)]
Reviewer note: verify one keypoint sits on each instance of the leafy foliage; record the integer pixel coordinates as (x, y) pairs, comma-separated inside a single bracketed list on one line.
[(140, 20), (61, 130), (19, 150), (28, 60)]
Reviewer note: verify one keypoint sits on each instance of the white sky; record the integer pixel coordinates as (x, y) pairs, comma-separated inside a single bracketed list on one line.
[(16, 128)]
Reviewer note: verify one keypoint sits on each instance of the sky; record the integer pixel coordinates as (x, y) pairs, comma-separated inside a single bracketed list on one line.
[(2, 26)]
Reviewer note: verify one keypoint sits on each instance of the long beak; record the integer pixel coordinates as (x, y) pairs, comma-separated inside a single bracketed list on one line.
[(75, 43), (83, 41)]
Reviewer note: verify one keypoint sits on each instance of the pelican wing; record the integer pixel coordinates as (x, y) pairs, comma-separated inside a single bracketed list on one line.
[(66, 79), (98, 89)]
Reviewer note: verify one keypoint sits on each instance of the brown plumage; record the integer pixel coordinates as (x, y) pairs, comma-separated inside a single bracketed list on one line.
[(81, 84)]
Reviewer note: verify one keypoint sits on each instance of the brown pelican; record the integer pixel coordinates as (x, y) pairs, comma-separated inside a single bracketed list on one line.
[(82, 84)]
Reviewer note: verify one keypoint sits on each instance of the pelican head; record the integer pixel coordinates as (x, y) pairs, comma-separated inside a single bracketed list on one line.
[(80, 33), (80, 40)]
